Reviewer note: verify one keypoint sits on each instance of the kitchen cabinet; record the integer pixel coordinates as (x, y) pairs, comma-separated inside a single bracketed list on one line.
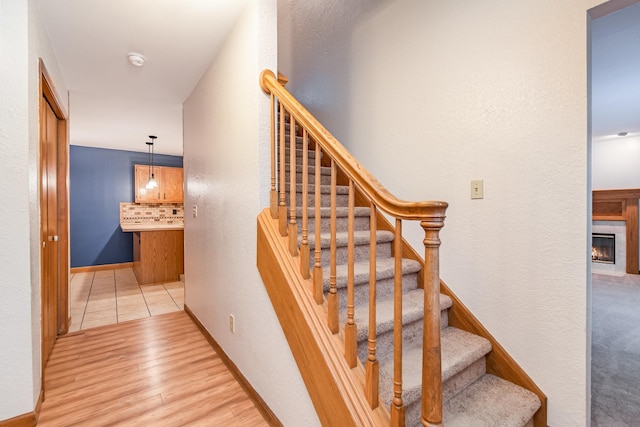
[(170, 185), (158, 256)]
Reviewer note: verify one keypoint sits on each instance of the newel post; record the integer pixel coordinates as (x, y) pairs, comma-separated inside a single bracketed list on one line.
[(431, 351)]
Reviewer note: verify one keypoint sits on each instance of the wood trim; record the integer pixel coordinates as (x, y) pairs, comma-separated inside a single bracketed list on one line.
[(621, 205), (261, 405), (102, 267), (336, 395), (48, 91), (609, 210), (632, 235), (369, 185), (64, 225), (39, 405), (25, 420), (630, 193)]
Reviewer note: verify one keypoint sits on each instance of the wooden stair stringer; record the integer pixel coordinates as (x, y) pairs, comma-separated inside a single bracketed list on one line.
[(335, 390)]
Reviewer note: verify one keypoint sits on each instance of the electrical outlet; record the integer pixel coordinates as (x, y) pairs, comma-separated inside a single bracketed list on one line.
[(194, 210), (477, 189), (232, 323)]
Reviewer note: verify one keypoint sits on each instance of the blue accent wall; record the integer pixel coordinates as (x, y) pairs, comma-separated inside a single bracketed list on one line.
[(99, 180)]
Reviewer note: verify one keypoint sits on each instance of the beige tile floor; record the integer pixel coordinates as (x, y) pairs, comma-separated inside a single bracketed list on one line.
[(112, 296)]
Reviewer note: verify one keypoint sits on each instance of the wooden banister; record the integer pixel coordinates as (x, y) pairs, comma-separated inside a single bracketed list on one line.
[(367, 183), (431, 215)]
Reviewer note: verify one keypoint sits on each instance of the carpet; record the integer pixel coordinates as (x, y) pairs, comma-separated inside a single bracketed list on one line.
[(615, 363)]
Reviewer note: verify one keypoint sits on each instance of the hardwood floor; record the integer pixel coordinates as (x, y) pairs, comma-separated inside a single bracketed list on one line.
[(157, 371)]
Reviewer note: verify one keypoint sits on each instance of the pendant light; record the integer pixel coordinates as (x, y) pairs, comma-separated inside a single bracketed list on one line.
[(152, 183)]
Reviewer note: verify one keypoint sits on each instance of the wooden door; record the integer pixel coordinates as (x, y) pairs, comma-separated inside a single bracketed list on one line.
[(172, 185), (50, 287), (143, 195)]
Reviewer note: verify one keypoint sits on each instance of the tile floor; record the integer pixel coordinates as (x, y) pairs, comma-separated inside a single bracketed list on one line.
[(112, 296)]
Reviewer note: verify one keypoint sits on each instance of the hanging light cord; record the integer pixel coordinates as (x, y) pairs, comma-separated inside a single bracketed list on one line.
[(152, 180)]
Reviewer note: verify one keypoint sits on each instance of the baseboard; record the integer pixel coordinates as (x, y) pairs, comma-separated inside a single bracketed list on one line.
[(266, 412), (102, 267), (64, 327), (25, 420)]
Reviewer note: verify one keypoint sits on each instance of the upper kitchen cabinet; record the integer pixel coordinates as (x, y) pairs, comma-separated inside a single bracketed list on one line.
[(170, 185)]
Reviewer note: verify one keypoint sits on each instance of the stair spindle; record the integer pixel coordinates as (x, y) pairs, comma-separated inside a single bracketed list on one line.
[(333, 291), (431, 351), (282, 206), (397, 405), (304, 246), (350, 328), (273, 194), (317, 266), (372, 366), (293, 227)]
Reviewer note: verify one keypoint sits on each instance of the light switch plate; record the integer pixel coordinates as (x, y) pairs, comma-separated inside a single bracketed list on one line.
[(477, 191)]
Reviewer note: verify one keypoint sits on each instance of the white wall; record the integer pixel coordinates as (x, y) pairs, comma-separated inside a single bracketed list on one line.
[(615, 163), (226, 140), (22, 41), (430, 95)]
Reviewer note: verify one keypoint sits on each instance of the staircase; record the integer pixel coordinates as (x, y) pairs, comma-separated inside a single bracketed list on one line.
[(470, 395)]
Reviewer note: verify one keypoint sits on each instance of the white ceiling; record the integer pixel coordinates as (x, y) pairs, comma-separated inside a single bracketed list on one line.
[(116, 105), (616, 74)]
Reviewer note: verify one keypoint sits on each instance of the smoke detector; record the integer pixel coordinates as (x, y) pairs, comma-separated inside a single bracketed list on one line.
[(136, 59)]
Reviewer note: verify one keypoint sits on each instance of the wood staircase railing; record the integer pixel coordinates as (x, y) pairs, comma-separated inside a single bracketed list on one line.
[(431, 214)]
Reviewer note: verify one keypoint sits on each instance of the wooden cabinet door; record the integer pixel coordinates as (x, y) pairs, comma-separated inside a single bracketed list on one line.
[(172, 185), (143, 195)]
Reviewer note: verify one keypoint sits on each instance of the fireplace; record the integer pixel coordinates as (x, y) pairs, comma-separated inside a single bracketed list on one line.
[(603, 248)]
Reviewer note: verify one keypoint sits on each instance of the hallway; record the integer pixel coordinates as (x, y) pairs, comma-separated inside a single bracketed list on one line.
[(158, 370)]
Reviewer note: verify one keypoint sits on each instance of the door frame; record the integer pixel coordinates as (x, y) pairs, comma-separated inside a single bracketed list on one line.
[(48, 91)]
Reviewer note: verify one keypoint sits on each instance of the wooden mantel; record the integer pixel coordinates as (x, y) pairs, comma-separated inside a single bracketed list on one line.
[(621, 205)]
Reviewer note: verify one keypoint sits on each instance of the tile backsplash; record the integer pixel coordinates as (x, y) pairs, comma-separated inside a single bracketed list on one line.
[(164, 213)]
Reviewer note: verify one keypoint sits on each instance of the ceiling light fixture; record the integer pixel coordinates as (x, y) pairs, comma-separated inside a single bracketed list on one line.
[(152, 183), (136, 59)]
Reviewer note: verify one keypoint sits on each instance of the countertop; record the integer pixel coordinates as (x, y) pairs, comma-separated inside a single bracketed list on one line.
[(150, 227)]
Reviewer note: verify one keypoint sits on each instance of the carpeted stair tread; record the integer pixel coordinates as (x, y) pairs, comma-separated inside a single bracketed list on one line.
[(385, 268), (312, 154), (324, 170), (412, 310), (360, 237), (460, 349), (489, 402), (341, 212), (324, 189)]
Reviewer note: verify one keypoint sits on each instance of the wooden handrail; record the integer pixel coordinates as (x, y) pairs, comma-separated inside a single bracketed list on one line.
[(369, 185), (431, 215)]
